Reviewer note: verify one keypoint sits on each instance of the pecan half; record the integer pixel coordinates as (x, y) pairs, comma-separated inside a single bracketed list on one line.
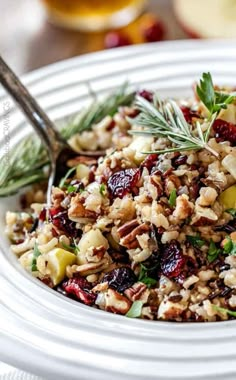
[(129, 241), (138, 291), (116, 303), (171, 182), (77, 210), (127, 228), (156, 181)]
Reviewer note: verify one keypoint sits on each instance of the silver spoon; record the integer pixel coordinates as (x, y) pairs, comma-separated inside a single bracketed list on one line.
[(58, 149)]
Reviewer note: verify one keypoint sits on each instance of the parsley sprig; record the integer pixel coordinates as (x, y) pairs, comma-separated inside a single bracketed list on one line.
[(195, 240), (172, 198), (213, 100), (144, 277), (36, 254), (230, 246), (226, 311), (213, 252)]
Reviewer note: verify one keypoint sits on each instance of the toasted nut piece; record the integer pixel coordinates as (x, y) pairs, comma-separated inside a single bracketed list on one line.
[(116, 303), (128, 240), (77, 210), (156, 181), (87, 269), (57, 196), (171, 182), (137, 292), (203, 216), (100, 287), (184, 208), (170, 310), (127, 228), (207, 197)]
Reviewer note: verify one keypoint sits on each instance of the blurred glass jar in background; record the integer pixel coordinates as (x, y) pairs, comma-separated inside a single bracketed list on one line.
[(93, 15)]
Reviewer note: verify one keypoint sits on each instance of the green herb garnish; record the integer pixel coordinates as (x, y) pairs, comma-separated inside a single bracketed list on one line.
[(213, 100), (165, 119), (172, 198), (223, 310), (232, 212), (144, 278), (195, 241), (28, 162), (36, 254), (102, 189), (135, 310), (213, 252), (229, 247), (72, 248), (71, 189)]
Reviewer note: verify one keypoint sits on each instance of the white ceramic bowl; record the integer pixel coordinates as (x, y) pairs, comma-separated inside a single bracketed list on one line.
[(49, 335)]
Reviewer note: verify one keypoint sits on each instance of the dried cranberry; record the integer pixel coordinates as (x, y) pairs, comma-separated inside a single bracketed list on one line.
[(148, 95), (180, 160), (172, 260), (80, 288), (150, 162), (188, 114), (152, 29), (120, 278), (115, 39), (123, 182), (224, 130), (59, 218)]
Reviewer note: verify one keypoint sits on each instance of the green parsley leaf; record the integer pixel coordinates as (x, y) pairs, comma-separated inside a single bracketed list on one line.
[(102, 189), (135, 310), (71, 189), (195, 241), (213, 252), (213, 100), (205, 91), (144, 278), (232, 212), (172, 198), (230, 246), (223, 310), (36, 254)]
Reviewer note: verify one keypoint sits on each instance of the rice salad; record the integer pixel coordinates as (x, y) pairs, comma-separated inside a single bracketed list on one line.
[(147, 230)]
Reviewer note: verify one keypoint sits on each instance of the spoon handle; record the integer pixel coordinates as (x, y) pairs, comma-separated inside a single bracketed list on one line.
[(37, 117)]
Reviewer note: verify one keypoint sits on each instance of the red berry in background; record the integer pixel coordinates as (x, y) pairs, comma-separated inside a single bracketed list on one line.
[(148, 95), (116, 39), (188, 114), (224, 131), (152, 28), (123, 182)]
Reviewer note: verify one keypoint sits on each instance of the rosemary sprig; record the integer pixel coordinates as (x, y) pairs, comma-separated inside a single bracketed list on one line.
[(27, 163), (165, 119), (97, 111)]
